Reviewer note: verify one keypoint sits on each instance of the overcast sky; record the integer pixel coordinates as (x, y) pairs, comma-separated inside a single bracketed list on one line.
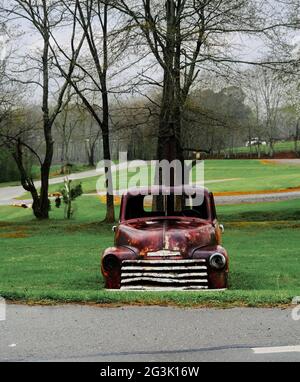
[(246, 48)]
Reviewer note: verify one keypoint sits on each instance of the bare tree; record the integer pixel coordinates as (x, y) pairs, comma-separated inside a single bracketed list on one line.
[(92, 137), (6, 95), (44, 17), (215, 120), (265, 91), (91, 81), (92, 17), (271, 93), (69, 122), (292, 100), (14, 128), (187, 37), (251, 85)]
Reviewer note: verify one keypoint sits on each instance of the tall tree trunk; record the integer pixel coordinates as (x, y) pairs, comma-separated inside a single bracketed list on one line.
[(47, 124), (297, 137), (92, 156), (45, 175), (271, 144), (169, 135), (110, 208), (62, 157), (169, 145), (41, 203), (250, 139), (90, 150), (26, 181), (259, 150)]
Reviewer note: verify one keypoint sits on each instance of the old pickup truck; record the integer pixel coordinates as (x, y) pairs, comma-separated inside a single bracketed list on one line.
[(168, 248)]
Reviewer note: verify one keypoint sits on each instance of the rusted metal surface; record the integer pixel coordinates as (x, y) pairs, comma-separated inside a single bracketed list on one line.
[(173, 234), (166, 252)]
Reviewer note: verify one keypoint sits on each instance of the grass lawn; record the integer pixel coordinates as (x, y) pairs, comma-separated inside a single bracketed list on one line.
[(239, 175), (58, 261), (222, 176), (251, 175), (279, 147)]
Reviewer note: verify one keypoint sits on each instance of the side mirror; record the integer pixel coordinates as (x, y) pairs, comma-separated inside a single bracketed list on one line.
[(114, 228), (222, 228)]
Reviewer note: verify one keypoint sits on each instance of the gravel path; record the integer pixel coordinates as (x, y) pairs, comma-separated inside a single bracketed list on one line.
[(295, 162)]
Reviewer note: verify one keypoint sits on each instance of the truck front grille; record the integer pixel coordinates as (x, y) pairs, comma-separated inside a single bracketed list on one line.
[(164, 275)]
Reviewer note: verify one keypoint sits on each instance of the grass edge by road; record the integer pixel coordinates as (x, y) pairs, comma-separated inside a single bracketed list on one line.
[(189, 299), (264, 223)]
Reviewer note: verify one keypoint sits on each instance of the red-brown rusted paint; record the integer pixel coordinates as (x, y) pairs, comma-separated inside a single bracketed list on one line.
[(194, 238)]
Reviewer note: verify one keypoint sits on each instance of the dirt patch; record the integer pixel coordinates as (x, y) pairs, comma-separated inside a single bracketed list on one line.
[(117, 200), (14, 232), (261, 192), (154, 303), (267, 162), (286, 155), (14, 235), (5, 225), (21, 228)]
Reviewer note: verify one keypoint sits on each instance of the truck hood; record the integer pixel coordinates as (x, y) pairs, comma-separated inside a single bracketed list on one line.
[(168, 234)]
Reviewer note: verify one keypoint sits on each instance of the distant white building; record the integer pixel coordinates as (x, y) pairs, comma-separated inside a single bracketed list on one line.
[(256, 142)]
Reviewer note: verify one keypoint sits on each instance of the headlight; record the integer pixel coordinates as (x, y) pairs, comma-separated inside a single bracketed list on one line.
[(110, 263), (217, 261)]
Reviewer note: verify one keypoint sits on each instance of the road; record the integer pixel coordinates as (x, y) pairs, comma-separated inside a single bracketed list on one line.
[(9, 194), (258, 198), (80, 333)]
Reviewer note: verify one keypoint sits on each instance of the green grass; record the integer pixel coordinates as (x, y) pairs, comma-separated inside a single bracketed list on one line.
[(223, 176), (249, 175), (267, 213), (59, 261), (54, 172), (279, 147)]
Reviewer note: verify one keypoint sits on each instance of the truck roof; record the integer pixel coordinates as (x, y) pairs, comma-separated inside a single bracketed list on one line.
[(165, 190)]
